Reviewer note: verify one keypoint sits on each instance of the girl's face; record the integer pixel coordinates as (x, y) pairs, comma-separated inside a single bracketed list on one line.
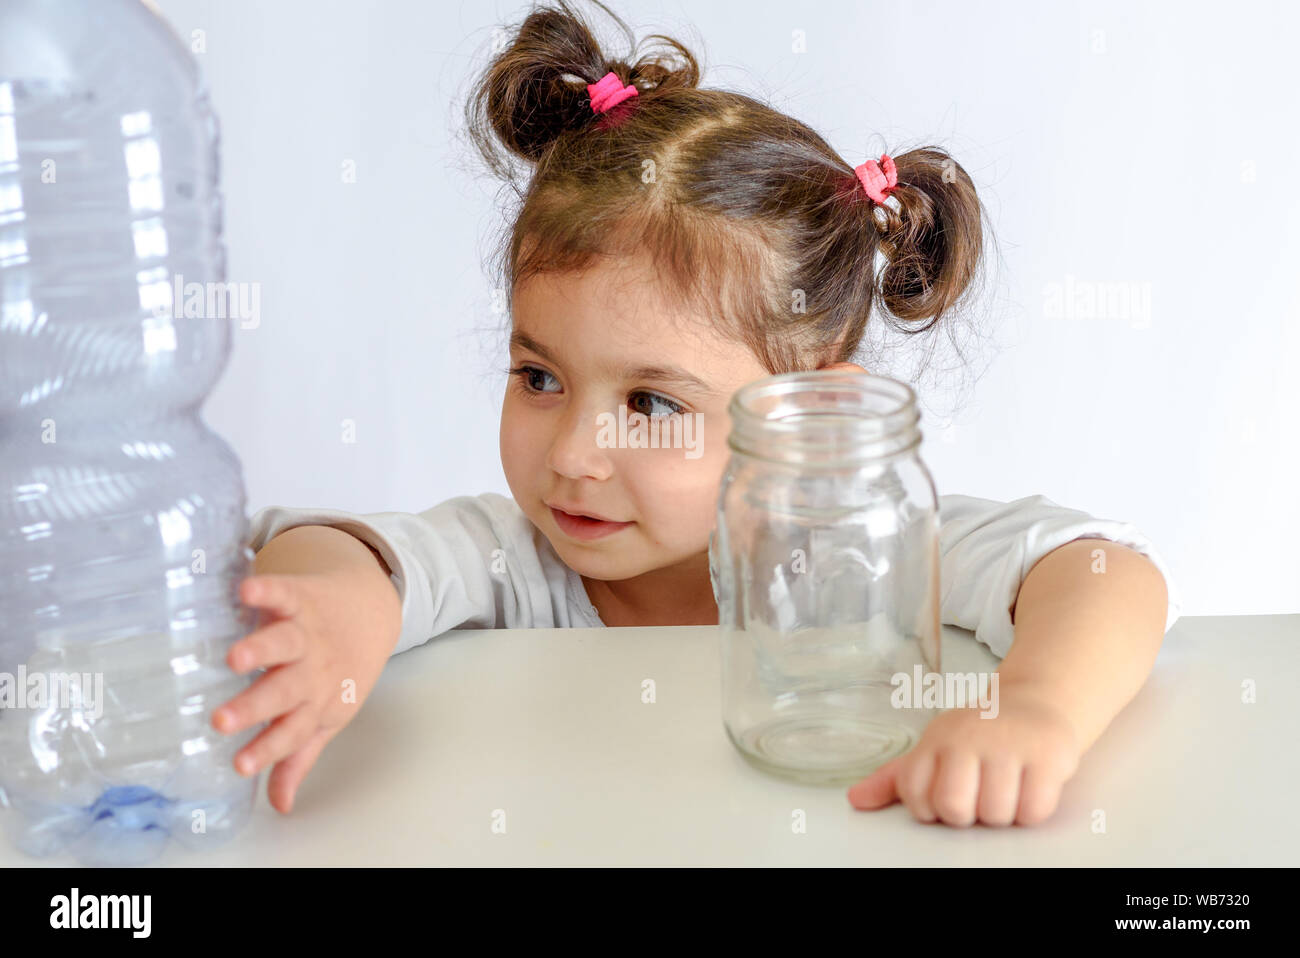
[(585, 345)]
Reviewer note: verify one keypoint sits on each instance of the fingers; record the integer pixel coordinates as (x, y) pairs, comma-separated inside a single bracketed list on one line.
[(914, 780), (956, 787), (288, 775), (275, 693), (277, 593), (999, 790), (1039, 794), (960, 789), (282, 737), (878, 789), (277, 644)]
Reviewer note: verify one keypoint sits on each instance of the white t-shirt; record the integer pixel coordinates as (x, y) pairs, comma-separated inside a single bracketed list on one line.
[(477, 562)]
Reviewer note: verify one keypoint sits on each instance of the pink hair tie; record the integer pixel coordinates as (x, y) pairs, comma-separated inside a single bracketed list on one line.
[(875, 180), (608, 92)]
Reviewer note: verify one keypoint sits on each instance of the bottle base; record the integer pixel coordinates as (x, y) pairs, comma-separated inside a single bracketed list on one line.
[(828, 750), (128, 825)]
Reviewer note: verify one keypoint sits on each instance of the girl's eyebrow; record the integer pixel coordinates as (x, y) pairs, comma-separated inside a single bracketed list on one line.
[(665, 374)]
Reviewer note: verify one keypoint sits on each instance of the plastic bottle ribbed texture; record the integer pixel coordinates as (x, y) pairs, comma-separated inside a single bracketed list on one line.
[(122, 516)]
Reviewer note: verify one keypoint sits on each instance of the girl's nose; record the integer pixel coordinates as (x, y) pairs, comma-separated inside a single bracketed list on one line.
[(577, 450)]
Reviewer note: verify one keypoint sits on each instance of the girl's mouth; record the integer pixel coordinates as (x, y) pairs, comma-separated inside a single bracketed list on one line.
[(583, 527)]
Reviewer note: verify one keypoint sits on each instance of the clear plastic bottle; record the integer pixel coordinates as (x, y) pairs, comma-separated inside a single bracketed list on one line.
[(825, 561), (122, 516)]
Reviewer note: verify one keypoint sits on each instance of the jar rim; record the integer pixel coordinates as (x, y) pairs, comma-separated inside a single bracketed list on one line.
[(816, 381), (851, 429)]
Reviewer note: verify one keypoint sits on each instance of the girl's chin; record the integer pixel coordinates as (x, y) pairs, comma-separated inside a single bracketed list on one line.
[(601, 559)]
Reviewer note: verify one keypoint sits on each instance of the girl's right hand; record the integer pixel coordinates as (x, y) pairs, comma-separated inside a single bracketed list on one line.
[(324, 642)]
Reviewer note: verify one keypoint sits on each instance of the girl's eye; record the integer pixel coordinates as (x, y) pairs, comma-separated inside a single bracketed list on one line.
[(667, 406), (528, 376)]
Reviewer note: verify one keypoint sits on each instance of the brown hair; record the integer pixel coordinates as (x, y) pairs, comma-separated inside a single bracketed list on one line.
[(746, 211)]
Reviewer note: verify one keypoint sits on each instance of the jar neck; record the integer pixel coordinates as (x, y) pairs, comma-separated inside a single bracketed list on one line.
[(824, 418)]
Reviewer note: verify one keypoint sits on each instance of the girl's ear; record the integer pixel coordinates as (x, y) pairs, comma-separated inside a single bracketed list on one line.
[(844, 367)]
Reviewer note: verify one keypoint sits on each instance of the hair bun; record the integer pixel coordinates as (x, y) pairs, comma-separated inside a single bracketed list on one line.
[(535, 90)]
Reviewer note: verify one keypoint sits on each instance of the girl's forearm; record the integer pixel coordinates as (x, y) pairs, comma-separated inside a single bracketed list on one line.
[(1089, 620)]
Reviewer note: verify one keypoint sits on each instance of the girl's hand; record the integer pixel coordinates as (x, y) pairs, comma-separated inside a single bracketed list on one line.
[(323, 648), (1004, 770)]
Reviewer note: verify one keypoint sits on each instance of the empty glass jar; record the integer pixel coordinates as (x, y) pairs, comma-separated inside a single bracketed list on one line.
[(825, 561)]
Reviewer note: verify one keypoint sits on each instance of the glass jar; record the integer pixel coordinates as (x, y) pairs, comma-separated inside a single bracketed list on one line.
[(825, 561)]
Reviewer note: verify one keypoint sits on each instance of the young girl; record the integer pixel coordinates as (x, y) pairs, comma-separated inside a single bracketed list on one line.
[(653, 263)]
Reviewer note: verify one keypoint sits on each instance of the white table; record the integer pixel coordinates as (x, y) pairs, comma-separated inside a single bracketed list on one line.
[(549, 726)]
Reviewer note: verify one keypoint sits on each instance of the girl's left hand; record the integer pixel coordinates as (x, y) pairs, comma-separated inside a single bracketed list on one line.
[(1004, 770)]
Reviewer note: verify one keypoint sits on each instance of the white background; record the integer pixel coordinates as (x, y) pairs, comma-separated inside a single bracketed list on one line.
[(1153, 146)]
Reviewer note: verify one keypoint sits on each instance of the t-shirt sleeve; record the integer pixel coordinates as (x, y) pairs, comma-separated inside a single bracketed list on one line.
[(987, 548), (466, 563)]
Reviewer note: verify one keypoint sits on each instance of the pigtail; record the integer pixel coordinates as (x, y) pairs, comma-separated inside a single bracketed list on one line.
[(933, 241)]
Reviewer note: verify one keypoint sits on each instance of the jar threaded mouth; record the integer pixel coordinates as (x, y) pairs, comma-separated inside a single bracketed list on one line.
[(829, 417)]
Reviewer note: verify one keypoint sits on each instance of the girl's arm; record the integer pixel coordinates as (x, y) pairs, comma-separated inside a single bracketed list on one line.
[(1089, 619), (470, 562), (1075, 606)]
